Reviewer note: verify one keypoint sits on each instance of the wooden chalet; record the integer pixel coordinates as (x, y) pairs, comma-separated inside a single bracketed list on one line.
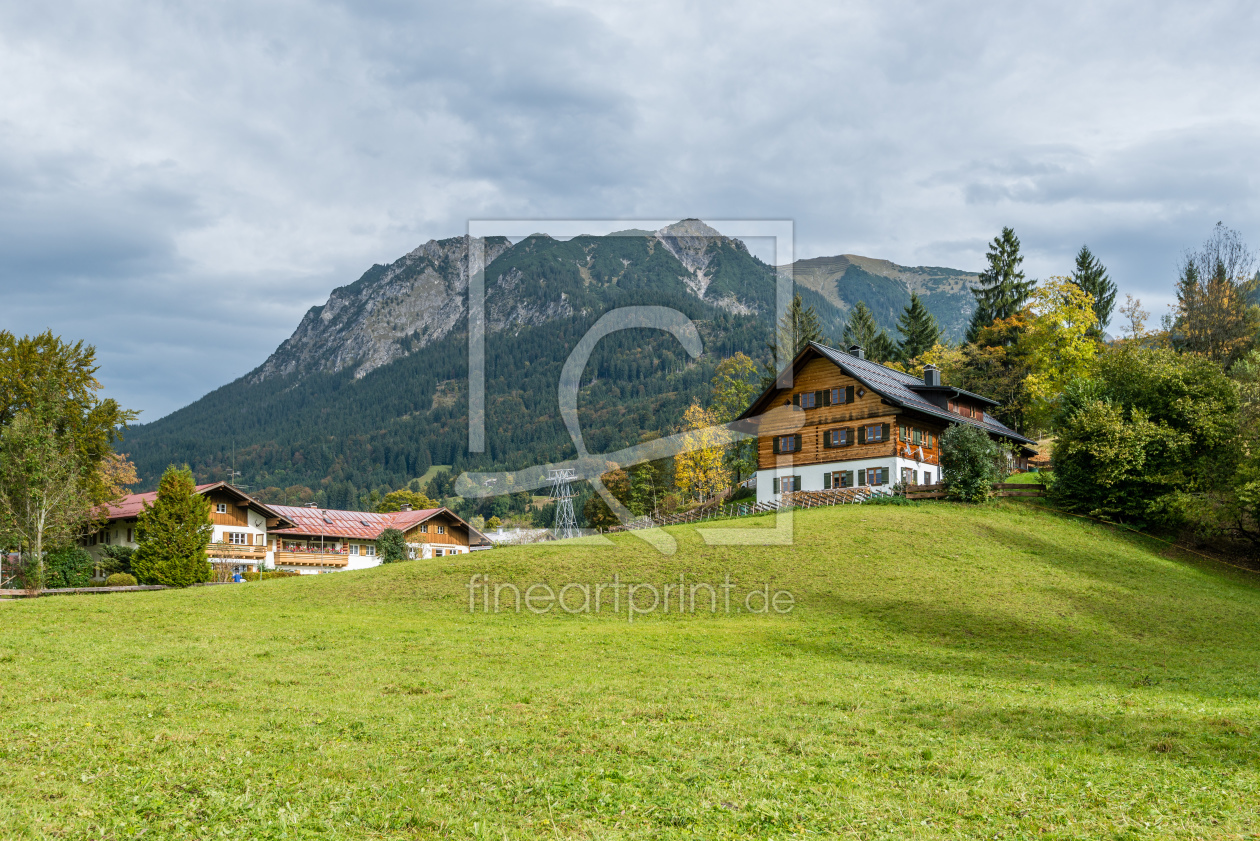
[(849, 422), (248, 533)]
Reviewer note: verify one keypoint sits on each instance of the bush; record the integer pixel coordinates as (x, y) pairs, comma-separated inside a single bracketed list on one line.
[(1154, 429), (971, 462), (121, 579), (391, 546), (116, 559), (68, 567), (269, 574), (742, 494)]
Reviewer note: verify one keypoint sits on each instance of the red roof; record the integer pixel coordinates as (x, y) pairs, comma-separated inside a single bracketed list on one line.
[(131, 506), (364, 525)]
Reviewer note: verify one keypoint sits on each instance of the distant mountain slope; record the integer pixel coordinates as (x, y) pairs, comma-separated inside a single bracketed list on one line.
[(885, 287), (370, 389)]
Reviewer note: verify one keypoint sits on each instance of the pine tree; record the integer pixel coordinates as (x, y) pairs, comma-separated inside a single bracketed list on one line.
[(1091, 275), (919, 329), (862, 330), (798, 327), (173, 533), (1002, 290)]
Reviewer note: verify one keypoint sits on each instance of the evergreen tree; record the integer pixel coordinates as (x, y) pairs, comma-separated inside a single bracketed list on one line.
[(173, 533), (862, 330), (1002, 290), (798, 327), (919, 329), (1091, 275)]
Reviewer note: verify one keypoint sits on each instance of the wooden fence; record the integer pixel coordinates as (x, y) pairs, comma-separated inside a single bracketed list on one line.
[(937, 491)]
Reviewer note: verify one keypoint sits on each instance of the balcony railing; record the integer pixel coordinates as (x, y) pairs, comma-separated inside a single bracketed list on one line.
[(312, 558), (236, 550)]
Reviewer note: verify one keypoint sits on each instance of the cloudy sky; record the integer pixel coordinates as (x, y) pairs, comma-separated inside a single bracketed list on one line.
[(180, 182)]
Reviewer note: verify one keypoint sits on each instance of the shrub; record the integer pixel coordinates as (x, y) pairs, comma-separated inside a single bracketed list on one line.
[(742, 494), (269, 574), (970, 462), (391, 546), (1151, 430), (116, 559), (68, 567), (121, 579)]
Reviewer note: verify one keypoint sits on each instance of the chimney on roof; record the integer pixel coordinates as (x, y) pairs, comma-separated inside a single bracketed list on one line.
[(931, 375), (856, 350), (406, 506), (310, 505)]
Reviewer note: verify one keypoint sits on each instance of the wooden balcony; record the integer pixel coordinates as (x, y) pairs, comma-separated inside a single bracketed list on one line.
[(312, 559), (236, 551)]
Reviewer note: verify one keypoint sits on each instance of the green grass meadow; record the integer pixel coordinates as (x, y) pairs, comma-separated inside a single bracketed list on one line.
[(990, 672)]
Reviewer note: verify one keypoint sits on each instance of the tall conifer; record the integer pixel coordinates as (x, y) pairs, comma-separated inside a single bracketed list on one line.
[(173, 533), (861, 329), (1002, 290), (1091, 275), (919, 329)]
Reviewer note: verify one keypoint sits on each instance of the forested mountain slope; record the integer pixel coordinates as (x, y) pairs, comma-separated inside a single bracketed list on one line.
[(371, 389)]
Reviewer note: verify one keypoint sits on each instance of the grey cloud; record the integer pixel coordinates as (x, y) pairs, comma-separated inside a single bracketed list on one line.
[(181, 177)]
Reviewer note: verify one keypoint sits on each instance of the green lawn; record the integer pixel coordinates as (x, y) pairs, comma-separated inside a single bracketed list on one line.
[(946, 672), (433, 471)]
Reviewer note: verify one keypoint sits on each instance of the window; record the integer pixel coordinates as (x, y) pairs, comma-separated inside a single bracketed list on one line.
[(424, 528), (787, 484), (129, 536), (806, 400), (874, 432), (105, 537), (840, 396), (909, 476), (873, 476), (370, 550), (837, 438), (927, 477), (437, 553), (237, 538), (441, 529), (786, 443), (354, 549), (220, 508), (260, 540), (905, 433)]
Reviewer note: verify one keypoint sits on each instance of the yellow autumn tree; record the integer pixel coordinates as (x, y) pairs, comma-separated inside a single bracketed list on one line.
[(701, 471), (1056, 346)]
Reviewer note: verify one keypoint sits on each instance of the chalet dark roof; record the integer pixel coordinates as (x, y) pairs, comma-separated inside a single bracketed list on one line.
[(130, 506), (898, 388)]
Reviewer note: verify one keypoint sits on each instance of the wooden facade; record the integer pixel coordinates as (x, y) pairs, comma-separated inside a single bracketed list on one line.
[(867, 409)]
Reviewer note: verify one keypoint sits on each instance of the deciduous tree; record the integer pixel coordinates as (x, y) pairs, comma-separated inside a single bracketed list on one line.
[(1057, 347), (45, 502), (701, 471), (1215, 313)]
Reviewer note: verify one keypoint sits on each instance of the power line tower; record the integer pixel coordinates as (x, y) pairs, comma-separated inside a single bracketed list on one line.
[(562, 492)]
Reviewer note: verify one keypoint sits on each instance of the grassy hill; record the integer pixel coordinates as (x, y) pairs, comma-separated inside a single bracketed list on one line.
[(946, 672)]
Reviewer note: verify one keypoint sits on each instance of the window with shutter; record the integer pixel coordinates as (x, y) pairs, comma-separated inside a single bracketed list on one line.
[(826, 396), (826, 481), (775, 488), (861, 478), (861, 434), (796, 483), (818, 398), (796, 400), (885, 431), (796, 445), (848, 394), (846, 479), (774, 445)]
